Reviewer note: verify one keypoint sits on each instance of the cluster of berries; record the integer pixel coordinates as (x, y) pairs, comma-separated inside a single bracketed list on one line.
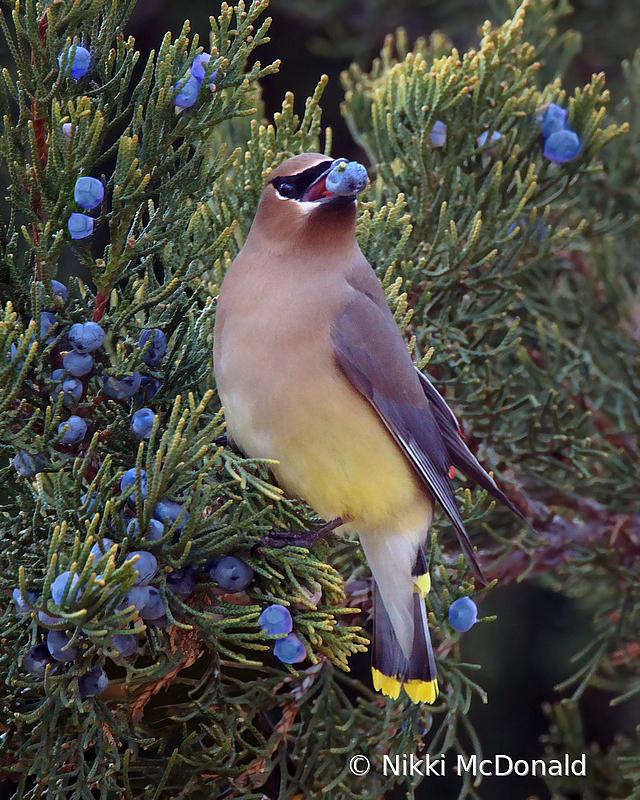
[(482, 139), (560, 142), (438, 136), (59, 648), (62, 647), (276, 621), (174, 514), (53, 653), (47, 319), (83, 340), (188, 87), (88, 191)]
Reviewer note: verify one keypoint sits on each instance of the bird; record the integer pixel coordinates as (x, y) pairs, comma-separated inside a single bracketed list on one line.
[(314, 373)]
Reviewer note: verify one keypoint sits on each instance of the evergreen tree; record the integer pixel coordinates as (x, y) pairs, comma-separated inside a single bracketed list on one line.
[(136, 659)]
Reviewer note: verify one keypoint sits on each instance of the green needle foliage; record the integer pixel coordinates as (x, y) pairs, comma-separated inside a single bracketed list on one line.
[(515, 281)]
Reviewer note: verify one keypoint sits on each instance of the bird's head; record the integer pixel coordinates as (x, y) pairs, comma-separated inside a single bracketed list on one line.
[(310, 193)]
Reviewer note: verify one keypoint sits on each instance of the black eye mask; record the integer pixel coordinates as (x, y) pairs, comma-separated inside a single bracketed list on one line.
[(293, 187)]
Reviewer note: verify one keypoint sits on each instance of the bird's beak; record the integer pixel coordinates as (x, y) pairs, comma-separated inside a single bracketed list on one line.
[(318, 190)]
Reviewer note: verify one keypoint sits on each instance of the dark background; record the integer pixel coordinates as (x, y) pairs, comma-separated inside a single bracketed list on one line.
[(526, 652), (315, 37)]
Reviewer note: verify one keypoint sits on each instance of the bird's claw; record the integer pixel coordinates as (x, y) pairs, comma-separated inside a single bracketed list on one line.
[(305, 539), (279, 539)]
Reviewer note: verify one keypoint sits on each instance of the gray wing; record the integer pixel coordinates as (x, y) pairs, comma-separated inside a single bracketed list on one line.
[(373, 356), (461, 457)]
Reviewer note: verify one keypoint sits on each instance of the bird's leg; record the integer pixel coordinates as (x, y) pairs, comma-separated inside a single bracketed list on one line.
[(304, 539), (224, 441)]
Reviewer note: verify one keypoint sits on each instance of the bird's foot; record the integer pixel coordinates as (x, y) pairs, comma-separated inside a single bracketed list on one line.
[(224, 441), (304, 539)]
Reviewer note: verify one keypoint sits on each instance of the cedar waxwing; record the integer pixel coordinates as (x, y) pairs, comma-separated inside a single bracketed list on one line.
[(313, 372)]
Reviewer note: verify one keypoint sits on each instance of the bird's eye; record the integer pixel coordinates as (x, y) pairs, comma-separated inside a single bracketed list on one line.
[(285, 189)]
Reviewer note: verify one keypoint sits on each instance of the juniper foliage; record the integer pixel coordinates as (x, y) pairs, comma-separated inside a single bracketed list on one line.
[(514, 280)]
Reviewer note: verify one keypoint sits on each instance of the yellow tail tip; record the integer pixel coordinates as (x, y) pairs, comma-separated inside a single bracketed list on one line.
[(386, 684), (418, 691), (422, 584), (422, 691)]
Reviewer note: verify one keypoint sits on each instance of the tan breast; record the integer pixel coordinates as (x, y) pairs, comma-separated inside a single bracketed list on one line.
[(286, 399)]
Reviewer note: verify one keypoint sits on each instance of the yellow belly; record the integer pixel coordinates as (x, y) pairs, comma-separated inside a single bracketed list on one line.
[(333, 450)]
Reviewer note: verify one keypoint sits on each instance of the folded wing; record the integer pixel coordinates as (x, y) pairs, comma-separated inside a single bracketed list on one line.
[(373, 356)]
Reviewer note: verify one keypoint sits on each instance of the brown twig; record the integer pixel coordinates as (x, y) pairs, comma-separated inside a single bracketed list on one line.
[(563, 539), (100, 308), (43, 24), (39, 130)]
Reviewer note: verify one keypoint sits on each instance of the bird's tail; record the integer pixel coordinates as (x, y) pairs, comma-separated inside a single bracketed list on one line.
[(390, 667)]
